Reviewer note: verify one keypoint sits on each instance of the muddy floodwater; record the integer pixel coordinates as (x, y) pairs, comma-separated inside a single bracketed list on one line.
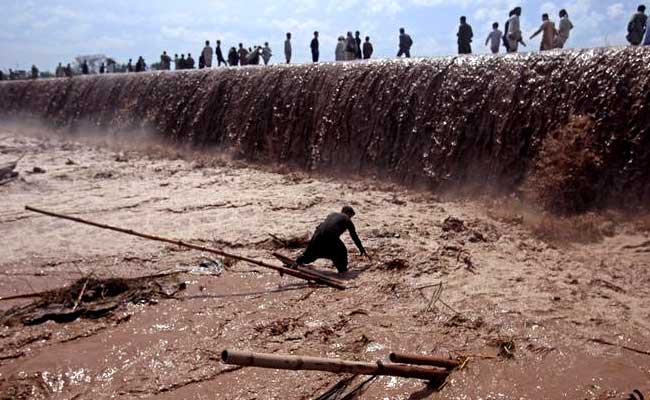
[(535, 319)]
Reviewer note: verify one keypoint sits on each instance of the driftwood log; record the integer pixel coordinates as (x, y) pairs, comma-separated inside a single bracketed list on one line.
[(276, 361)]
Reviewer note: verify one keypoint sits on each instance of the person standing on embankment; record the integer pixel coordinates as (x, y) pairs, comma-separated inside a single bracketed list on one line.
[(637, 26), (405, 44)]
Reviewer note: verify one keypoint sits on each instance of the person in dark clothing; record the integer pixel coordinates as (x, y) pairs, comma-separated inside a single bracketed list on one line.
[(129, 66), (326, 242), (637, 26), (357, 40), (182, 62), (84, 68), (314, 48), (2, 76), (68, 71), (233, 57), (219, 54), (243, 54), (34, 72), (506, 43), (189, 61), (102, 68), (201, 62), (367, 48), (405, 43), (465, 36)]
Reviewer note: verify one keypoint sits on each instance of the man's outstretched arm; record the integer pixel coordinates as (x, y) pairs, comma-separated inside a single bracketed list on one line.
[(355, 238)]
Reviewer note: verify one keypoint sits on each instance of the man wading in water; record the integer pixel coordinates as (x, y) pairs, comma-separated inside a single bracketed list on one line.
[(326, 242)]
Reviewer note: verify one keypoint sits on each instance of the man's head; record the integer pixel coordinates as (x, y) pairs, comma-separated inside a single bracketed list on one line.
[(288, 35), (219, 42), (517, 11), (563, 13), (641, 8), (495, 25), (401, 30), (316, 34), (165, 53), (347, 210), (266, 44), (511, 13), (241, 45), (544, 17), (357, 33), (367, 38), (207, 42), (463, 20)]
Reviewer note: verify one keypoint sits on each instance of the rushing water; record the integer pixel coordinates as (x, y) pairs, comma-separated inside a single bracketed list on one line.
[(434, 122)]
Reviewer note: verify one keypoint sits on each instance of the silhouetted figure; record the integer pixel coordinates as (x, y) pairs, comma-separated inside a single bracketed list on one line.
[(219, 54), (60, 71), (494, 38), (201, 62), (2, 75), (350, 48), (140, 65), (182, 62), (68, 71), (287, 48), (506, 26), (34, 72), (266, 53), (207, 54), (315, 53), (405, 44), (357, 40), (514, 31), (565, 30), (102, 69), (243, 55), (165, 62), (176, 62), (548, 34), (465, 36), (233, 58), (253, 57), (189, 62), (367, 48), (326, 242), (129, 66), (637, 26), (84, 68), (339, 53)]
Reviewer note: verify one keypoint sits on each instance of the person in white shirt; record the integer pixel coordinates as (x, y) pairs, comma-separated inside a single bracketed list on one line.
[(514, 31), (564, 31), (494, 38)]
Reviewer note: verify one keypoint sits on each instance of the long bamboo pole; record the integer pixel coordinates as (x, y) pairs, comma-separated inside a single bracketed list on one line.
[(423, 360), (302, 274), (275, 361)]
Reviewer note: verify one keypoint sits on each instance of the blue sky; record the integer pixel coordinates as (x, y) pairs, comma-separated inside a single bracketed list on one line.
[(45, 32)]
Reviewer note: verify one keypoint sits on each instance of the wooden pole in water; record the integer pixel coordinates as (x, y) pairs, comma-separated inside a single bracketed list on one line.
[(423, 360), (275, 361), (302, 274)]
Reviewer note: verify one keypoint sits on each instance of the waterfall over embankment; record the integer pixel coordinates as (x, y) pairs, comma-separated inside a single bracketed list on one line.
[(439, 123)]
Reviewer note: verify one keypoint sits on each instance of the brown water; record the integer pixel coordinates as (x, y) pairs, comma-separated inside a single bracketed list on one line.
[(445, 122)]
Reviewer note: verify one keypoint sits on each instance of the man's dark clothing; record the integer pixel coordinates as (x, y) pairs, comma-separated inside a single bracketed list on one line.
[(506, 43), (220, 58), (314, 50), (357, 39), (636, 28), (405, 43), (465, 36), (326, 242), (367, 50), (84, 68), (189, 63)]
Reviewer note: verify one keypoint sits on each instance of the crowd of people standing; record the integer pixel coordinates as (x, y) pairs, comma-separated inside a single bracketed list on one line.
[(352, 47)]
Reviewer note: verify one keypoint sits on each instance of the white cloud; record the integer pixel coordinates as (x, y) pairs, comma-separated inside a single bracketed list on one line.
[(615, 10)]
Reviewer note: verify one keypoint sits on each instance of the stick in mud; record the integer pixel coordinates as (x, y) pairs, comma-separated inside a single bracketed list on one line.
[(302, 274), (275, 361), (418, 359)]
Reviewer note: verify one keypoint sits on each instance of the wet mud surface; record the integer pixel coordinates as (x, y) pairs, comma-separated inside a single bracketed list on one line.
[(537, 321)]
